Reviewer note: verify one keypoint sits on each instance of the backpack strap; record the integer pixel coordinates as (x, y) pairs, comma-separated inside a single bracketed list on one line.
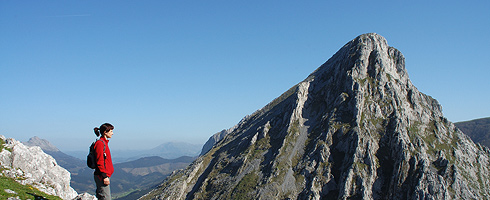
[(103, 151), (104, 148)]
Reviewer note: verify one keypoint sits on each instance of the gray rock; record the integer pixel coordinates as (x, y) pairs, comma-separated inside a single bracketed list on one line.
[(213, 140), (85, 196), (10, 191), (355, 128), (30, 165)]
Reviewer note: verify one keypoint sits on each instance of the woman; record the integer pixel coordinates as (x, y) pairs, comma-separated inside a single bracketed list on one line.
[(104, 168)]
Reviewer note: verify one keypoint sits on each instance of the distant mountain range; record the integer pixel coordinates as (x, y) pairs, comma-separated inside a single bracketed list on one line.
[(139, 175), (478, 130), (133, 176), (169, 150)]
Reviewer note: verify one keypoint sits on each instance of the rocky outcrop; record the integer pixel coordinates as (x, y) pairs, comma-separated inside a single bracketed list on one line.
[(30, 165), (85, 196), (356, 128), (70, 163), (213, 140)]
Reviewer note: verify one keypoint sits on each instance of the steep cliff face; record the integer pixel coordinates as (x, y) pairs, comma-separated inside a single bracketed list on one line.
[(355, 128)]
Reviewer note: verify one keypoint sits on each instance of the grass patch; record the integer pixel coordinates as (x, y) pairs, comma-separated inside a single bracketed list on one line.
[(2, 146), (361, 166), (23, 191), (294, 127), (245, 187), (260, 147)]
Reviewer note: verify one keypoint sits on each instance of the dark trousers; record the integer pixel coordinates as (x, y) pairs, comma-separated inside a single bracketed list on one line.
[(103, 192)]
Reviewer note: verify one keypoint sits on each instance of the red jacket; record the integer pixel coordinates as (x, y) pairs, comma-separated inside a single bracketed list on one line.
[(104, 165)]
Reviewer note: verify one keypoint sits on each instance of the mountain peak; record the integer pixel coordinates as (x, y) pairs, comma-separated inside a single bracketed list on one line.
[(43, 143), (367, 56), (355, 128)]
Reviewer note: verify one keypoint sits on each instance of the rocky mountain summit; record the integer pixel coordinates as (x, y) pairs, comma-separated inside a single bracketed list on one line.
[(31, 166), (356, 128)]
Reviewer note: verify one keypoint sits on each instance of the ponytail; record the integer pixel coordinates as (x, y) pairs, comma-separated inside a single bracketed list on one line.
[(103, 129), (97, 132)]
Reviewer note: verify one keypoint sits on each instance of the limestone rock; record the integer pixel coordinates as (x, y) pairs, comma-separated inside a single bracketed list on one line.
[(85, 196), (356, 128), (30, 165), (213, 140)]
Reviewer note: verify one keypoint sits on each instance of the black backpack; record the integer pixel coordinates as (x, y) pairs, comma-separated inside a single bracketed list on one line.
[(91, 158)]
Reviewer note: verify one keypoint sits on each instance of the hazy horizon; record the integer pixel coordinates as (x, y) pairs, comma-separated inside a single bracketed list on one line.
[(164, 71)]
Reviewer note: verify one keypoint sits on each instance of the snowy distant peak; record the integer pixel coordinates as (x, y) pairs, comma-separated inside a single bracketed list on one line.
[(43, 143)]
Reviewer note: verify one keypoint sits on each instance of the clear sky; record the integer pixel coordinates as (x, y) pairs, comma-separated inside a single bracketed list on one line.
[(163, 71)]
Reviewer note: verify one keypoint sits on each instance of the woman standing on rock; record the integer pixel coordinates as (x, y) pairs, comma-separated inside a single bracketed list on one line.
[(104, 168)]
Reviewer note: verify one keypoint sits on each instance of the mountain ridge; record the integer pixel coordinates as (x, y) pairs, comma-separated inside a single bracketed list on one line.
[(477, 129), (354, 128), (167, 150)]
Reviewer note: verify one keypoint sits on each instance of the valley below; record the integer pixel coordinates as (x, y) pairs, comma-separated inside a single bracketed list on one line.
[(136, 173)]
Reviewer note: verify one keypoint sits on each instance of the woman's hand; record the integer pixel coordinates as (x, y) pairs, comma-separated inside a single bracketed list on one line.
[(107, 181)]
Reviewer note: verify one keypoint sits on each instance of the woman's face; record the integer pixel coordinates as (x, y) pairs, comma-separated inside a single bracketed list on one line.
[(108, 134)]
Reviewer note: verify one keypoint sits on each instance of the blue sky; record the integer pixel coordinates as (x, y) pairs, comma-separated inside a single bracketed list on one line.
[(164, 71)]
